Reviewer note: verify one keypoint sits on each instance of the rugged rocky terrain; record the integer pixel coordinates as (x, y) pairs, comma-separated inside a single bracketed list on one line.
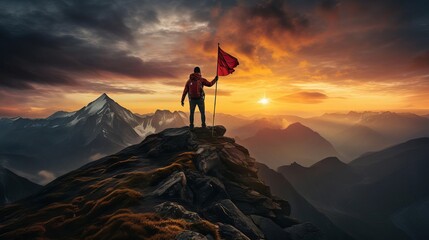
[(174, 185)]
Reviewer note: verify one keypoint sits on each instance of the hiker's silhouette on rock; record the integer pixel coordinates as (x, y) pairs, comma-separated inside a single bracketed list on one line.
[(194, 87)]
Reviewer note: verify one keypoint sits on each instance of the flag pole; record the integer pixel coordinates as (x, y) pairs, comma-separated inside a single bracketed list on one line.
[(214, 107)]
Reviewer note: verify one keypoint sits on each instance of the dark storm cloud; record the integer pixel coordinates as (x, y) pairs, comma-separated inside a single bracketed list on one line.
[(276, 15), (104, 16), (34, 57), (61, 42)]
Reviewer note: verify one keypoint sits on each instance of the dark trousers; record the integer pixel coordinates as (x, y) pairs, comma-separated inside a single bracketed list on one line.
[(192, 104)]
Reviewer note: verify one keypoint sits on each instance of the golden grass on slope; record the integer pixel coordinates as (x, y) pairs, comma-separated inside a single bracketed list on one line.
[(150, 178), (117, 198), (122, 224), (128, 225), (121, 164)]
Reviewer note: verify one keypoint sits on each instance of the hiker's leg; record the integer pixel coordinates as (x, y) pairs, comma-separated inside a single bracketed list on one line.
[(201, 107), (192, 105)]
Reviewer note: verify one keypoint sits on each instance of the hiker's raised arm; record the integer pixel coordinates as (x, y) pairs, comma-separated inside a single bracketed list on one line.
[(207, 83)]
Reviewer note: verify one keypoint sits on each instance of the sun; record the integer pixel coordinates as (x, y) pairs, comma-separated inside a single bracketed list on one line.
[(264, 101)]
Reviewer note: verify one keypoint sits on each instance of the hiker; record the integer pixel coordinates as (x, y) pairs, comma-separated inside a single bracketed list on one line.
[(194, 89)]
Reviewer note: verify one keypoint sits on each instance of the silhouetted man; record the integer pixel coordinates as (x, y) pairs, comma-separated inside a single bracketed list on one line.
[(194, 88)]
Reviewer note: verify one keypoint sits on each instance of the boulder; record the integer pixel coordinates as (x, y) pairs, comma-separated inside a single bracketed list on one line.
[(171, 186), (218, 131), (207, 159), (207, 189), (190, 235), (177, 211), (227, 231), (225, 211), (238, 159)]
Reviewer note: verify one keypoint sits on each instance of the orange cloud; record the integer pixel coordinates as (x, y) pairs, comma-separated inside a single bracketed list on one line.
[(305, 97)]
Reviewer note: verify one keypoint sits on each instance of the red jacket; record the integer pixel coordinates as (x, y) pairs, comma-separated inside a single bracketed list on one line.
[(196, 77)]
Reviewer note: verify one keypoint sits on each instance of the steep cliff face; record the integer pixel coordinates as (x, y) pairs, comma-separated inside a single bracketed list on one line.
[(174, 185)]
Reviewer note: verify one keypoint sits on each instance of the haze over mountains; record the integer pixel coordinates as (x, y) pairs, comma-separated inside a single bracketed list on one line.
[(295, 143), (355, 133)]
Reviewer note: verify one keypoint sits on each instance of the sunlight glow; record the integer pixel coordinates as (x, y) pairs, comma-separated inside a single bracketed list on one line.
[(264, 101)]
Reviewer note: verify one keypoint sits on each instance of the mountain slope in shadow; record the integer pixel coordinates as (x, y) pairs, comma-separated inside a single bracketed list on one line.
[(14, 187)]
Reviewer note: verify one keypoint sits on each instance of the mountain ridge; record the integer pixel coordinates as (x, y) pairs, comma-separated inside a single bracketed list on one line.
[(389, 182), (14, 187), (296, 143)]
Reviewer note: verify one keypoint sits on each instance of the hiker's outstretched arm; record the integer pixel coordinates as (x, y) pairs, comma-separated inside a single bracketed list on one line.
[(207, 83)]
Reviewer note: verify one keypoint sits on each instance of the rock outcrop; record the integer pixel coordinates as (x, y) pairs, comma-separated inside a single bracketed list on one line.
[(176, 184)]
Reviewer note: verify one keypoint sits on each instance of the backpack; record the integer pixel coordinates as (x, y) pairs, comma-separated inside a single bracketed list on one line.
[(195, 89)]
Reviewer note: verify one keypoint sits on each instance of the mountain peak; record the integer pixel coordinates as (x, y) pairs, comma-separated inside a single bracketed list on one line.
[(298, 127), (98, 104), (105, 96)]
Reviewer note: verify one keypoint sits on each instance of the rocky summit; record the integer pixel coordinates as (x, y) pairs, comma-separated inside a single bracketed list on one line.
[(177, 184)]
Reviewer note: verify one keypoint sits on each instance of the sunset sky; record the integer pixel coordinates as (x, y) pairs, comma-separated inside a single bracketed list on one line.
[(306, 56)]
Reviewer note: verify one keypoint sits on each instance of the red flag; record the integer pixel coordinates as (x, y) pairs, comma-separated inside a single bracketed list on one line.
[(225, 63)]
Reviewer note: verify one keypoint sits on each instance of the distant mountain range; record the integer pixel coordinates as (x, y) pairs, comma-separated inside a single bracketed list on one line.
[(14, 187), (67, 140), (381, 195), (296, 143), (356, 133), (251, 128)]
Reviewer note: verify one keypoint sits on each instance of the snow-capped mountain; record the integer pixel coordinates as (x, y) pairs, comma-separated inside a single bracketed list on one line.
[(160, 120), (104, 119), (67, 140)]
